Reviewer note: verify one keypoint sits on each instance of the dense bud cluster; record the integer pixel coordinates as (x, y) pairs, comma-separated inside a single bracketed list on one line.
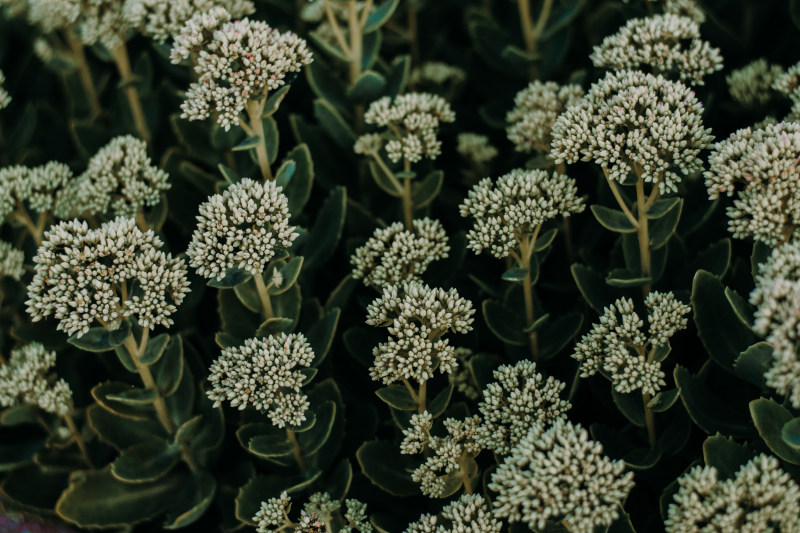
[(468, 514), (475, 147), (751, 85), (12, 261), (27, 379), (164, 20), (536, 109)]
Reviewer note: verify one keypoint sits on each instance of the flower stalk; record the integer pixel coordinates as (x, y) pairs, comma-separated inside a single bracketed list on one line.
[(298, 452), (255, 112), (123, 63)]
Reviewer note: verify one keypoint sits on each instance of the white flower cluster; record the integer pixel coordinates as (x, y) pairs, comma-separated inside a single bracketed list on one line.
[(264, 373), (663, 43), (777, 317), (273, 515), (560, 474), (27, 378), (51, 15), (120, 179), (518, 398), (104, 22), (617, 345), (468, 514), (417, 317), (236, 61), (435, 73), (442, 468), (164, 20), (244, 227), (760, 497), (107, 274), (751, 84), (462, 378), (411, 121), (12, 261), (5, 98), (536, 108), (632, 121), (42, 189), (762, 165), (394, 255), (475, 147), (685, 8), (513, 207)]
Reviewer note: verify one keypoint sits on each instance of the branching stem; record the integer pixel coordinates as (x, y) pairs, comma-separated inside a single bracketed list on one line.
[(255, 112), (298, 453), (123, 63), (263, 295)]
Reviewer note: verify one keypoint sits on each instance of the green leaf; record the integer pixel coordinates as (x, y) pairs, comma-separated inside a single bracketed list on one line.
[(515, 274), (383, 464), (105, 393), (20, 414), (662, 228), (275, 98), (664, 400), (790, 433), (320, 335), (271, 445), (715, 259), (327, 230), (331, 120), (769, 418), (760, 254), (752, 364), (441, 401), (612, 219), (248, 144), (398, 75), (662, 207), (387, 183), (261, 488), (624, 278), (232, 278), (95, 499), (155, 347), (554, 336), (718, 327), (285, 173), (641, 458), (630, 405), (101, 339), (724, 454), (707, 410), (271, 138), (145, 462), (545, 239), (134, 396), (122, 432), (380, 15), (289, 271), (314, 439), (225, 140), (274, 326), (187, 430), (168, 371), (298, 191), (398, 397), (593, 287), (229, 174), (327, 85), (562, 16), (504, 322), (19, 452), (423, 192), (743, 310), (194, 496), (33, 486), (368, 87)]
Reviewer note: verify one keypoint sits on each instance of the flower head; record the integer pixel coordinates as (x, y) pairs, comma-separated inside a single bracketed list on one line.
[(417, 317), (761, 167), (685, 8), (80, 273), (27, 378), (272, 513), (236, 61), (514, 206), (663, 43), (12, 261), (121, 179), (568, 474), (518, 398), (165, 20), (103, 21), (266, 374), (433, 73), (244, 227), (51, 15), (635, 122), (475, 147), (751, 84), (536, 108), (394, 255), (760, 497), (777, 301), (411, 121), (468, 514), (619, 347)]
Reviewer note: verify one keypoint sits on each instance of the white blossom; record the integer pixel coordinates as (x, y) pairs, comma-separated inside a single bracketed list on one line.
[(536, 108), (475, 147), (635, 122), (619, 347), (751, 85), (760, 167), (417, 317), (104, 22), (265, 373), (468, 514), (663, 44), (511, 208), (244, 227), (433, 73), (394, 255), (516, 399), (28, 378), (42, 189), (81, 276), (164, 19), (273, 513), (462, 378), (560, 474), (51, 15), (760, 498), (12, 261), (685, 8)]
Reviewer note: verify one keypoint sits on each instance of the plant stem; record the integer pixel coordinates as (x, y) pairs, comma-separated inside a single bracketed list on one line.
[(78, 438), (298, 453), (123, 62), (255, 110), (422, 397), (408, 204), (410, 390), (531, 33), (36, 230), (136, 352), (465, 475), (526, 252), (413, 31), (79, 55), (356, 40), (622, 204), (263, 295), (642, 233), (649, 420)]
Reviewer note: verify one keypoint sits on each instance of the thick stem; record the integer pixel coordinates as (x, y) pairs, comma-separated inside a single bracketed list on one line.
[(36, 230), (123, 62), (141, 221), (465, 475), (622, 204), (643, 234), (526, 22), (263, 295), (526, 252), (413, 31), (255, 110), (422, 397), (410, 389), (649, 420), (408, 206), (136, 351), (78, 438), (356, 41), (298, 453), (85, 75)]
